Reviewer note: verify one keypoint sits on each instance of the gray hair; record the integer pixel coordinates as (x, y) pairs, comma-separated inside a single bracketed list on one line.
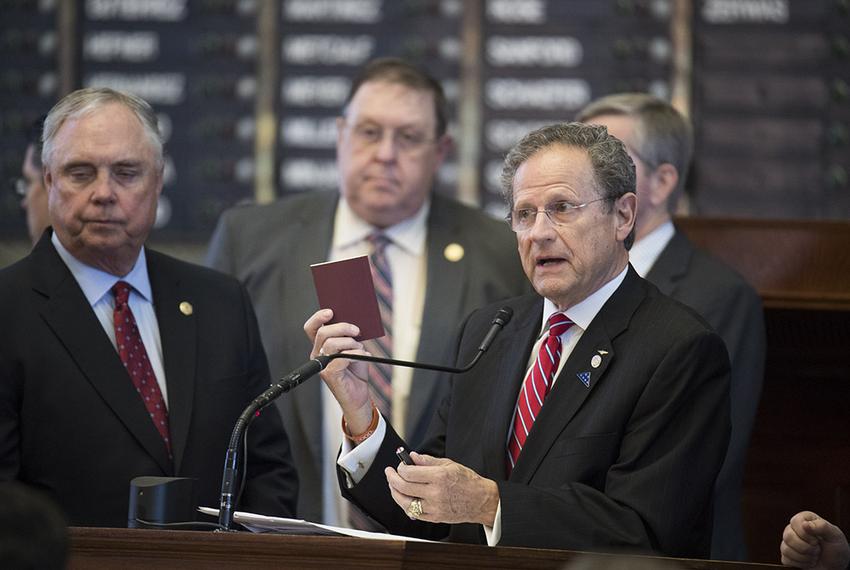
[(613, 169), (662, 134), (84, 101)]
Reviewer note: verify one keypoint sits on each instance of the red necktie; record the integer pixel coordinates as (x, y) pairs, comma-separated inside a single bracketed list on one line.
[(536, 386), (135, 359)]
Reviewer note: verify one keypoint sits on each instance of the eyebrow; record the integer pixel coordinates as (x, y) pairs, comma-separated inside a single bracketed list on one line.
[(128, 164), (76, 164), (364, 119), (87, 164)]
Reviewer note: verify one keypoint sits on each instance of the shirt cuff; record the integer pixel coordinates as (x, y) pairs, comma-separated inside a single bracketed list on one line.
[(356, 461), (494, 533)]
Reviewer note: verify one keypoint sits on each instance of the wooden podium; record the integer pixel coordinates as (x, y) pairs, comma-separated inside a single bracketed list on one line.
[(130, 549)]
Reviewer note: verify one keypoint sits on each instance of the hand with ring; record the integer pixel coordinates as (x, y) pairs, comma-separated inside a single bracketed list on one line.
[(414, 511)]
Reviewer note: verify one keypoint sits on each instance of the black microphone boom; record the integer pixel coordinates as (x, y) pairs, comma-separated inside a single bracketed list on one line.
[(500, 320), (307, 370), (231, 466)]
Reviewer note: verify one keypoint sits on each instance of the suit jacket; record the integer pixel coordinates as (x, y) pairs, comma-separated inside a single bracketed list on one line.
[(270, 249), (733, 308), (627, 462), (71, 421)]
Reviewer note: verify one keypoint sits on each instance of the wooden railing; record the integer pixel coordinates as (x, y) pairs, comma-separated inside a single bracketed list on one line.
[(131, 549)]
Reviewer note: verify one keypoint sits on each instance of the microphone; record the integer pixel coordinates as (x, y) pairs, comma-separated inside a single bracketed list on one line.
[(308, 370), (503, 316), (231, 467)]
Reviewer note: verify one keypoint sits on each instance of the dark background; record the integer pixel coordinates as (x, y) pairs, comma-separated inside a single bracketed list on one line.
[(766, 83)]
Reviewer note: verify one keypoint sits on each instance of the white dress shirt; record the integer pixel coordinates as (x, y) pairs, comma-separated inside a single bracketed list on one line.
[(97, 288), (645, 253), (356, 461), (407, 256)]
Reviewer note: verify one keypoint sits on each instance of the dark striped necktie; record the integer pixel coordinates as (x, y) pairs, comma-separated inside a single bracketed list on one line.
[(380, 375)]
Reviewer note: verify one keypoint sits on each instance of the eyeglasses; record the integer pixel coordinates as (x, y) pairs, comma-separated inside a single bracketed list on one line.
[(409, 141), (559, 213), (19, 186)]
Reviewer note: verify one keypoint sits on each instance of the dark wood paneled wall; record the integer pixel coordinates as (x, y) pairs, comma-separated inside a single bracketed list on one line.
[(799, 456)]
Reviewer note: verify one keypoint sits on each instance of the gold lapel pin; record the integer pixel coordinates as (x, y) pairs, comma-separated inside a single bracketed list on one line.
[(453, 252), (186, 308)]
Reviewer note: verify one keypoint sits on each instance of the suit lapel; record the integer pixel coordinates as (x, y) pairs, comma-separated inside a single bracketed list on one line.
[(179, 337), (513, 345), (579, 377), (442, 307), (672, 265), (69, 315)]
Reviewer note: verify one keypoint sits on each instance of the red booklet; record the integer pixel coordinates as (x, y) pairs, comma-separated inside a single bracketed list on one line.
[(346, 287)]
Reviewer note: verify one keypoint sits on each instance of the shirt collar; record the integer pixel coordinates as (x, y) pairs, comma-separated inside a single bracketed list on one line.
[(584, 312), (644, 253), (96, 283), (350, 229)]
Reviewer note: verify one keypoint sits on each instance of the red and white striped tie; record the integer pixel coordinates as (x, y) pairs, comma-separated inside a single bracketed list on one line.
[(536, 386)]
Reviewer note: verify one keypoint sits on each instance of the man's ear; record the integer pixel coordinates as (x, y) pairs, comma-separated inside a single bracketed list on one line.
[(46, 177), (663, 181), (625, 209), (445, 145)]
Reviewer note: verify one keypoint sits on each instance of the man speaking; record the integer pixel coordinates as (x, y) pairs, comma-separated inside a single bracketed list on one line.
[(599, 418)]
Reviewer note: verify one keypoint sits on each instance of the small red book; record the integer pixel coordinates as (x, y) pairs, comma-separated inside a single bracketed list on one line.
[(346, 287)]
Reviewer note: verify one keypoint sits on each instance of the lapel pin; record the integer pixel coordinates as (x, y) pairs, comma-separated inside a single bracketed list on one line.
[(454, 252), (602, 352), (186, 308), (585, 378), (596, 361)]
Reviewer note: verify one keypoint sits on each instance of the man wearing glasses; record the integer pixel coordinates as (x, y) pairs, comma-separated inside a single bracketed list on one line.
[(599, 418), (30, 188), (438, 260)]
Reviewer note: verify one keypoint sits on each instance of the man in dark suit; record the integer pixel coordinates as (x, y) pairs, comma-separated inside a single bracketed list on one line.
[(117, 361), (659, 140), (600, 416), (445, 259)]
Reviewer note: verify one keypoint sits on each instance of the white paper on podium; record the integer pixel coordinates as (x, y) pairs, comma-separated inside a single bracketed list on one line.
[(263, 523)]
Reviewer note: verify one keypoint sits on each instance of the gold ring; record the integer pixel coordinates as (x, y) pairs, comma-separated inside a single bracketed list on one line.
[(414, 511)]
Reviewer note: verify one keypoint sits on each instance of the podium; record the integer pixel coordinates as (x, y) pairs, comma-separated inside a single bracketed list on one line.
[(131, 549)]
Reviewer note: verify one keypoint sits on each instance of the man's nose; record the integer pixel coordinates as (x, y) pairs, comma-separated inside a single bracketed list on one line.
[(103, 188), (387, 149), (543, 227)]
